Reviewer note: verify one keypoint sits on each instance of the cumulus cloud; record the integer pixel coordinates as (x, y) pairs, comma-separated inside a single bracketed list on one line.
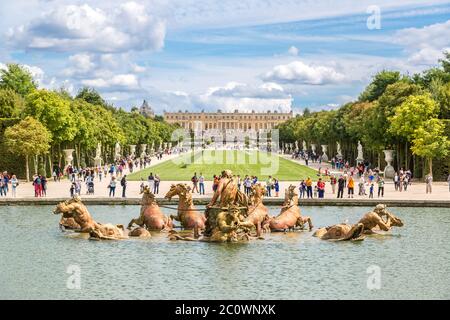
[(86, 29), (117, 82), (298, 72), (425, 45)]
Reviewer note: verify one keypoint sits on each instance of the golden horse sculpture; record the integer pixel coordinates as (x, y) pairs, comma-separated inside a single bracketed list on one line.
[(370, 223), (290, 216), (151, 217), (257, 211), (75, 209), (225, 214), (188, 215)]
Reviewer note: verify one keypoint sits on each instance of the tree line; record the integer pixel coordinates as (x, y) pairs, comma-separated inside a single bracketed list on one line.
[(407, 114), (37, 124)]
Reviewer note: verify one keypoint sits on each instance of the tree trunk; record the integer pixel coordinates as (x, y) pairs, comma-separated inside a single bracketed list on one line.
[(430, 163), (27, 168), (379, 160), (406, 156)]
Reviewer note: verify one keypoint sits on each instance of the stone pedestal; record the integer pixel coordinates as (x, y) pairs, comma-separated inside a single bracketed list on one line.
[(389, 171), (324, 152)]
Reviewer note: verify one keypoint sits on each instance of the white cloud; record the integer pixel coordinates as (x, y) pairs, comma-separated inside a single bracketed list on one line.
[(298, 72), (120, 81), (425, 45), (293, 51), (427, 56), (83, 28)]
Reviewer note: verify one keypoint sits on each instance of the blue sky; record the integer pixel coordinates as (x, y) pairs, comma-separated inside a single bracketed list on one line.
[(228, 54)]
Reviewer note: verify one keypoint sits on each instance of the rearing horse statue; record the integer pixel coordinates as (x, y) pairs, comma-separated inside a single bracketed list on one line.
[(257, 211), (188, 215), (290, 216), (151, 216)]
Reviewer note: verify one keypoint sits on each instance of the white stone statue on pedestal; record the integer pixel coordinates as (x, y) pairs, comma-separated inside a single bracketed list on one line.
[(360, 157), (313, 148), (339, 152), (324, 152), (304, 145), (296, 146), (98, 155), (117, 151)]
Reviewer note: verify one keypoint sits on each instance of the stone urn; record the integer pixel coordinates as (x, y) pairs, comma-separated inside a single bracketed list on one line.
[(69, 156), (324, 152), (389, 171), (143, 150)]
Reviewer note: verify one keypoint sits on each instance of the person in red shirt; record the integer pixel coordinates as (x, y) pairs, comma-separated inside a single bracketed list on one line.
[(320, 188)]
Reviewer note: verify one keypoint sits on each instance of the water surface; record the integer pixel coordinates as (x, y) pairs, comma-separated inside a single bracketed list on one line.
[(35, 255)]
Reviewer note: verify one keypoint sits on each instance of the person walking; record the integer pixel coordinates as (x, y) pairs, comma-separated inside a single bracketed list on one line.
[(1, 185), (43, 186), (238, 183), (201, 182), (380, 187), (333, 182), (14, 184), (123, 183), (112, 186), (151, 181), (37, 186), (194, 180), (156, 184), (371, 190), (309, 192), (215, 183), (396, 181), (247, 185), (448, 180), (341, 186), (277, 187), (351, 186), (302, 189), (269, 186), (429, 182)]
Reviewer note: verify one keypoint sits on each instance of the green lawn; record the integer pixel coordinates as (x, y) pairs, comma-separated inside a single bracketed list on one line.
[(212, 162)]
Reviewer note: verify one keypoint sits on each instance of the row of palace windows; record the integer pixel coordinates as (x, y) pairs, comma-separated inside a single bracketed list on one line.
[(265, 117), (230, 125)]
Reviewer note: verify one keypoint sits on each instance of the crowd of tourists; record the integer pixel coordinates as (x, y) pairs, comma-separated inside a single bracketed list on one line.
[(7, 180), (245, 184)]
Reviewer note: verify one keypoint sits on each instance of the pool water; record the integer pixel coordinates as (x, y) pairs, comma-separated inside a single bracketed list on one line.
[(413, 261)]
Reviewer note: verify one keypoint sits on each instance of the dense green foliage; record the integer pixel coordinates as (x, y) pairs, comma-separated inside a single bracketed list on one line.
[(407, 114), (78, 123)]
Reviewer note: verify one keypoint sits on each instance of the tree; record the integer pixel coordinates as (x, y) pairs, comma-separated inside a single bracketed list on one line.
[(28, 138), (411, 114), (379, 83), (445, 62), (54, 112), (430, 142), (441, 94), (91, 96), (18, 79), (11, 103)]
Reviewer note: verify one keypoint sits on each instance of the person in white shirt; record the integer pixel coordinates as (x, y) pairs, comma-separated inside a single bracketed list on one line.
[(201, 182)]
